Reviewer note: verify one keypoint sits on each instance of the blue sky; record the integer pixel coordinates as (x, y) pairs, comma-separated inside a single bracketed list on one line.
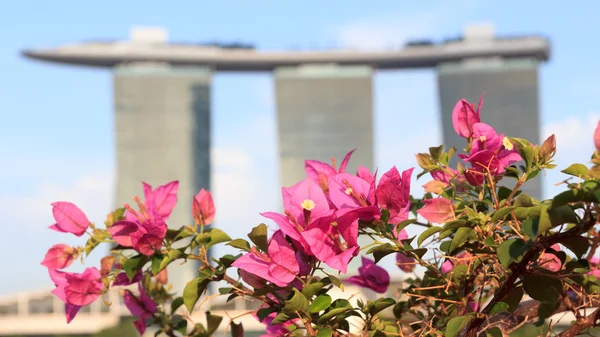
[(56, 128)]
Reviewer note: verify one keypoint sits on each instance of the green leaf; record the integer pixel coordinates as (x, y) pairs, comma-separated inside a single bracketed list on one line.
[(176, 304), (542, 288), (459, 272), (217, 236), (194, 289), (461, 237), (523, 200), (379, 305), (569, 196), (237, 330), (258, 235), (324, 332), (513, 298), (427, 233), (133, 264), (489, 241), (280, 318), (501, 213), (562, 214), (493, 332), (336, 281), (436, 152), (338, 306), (577, 170), (239, 243), (456, 324), (264, 312), (577, 244), (160, 263), (498, 308), (181, 324), (525, 150), (311, 289), (546, 309), (320, 303), (298, 303), (381, 251), (510, 250), (445, 246), (184, 232), (212, 323), (531, 228)]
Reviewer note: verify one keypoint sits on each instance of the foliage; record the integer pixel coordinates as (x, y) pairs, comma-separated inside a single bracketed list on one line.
[(492, 260)]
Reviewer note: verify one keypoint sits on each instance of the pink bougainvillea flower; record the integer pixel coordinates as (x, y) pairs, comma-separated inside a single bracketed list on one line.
[(69, 218), (76, 289), (203, 208), (371, 276), (304, 201), (164, 198), (145, 234), (597, 137), (59, 256), (83, 288), (405, 263), (275, 330), (142, 307), (594, 266), (460, 258), (253, 280), (438, 210), (364, 174), (485, 138), (393, 194), (464, 116), (279, 266), (123, 280), (549, 261), (59, 280), (320, 172), (473, 305), (324, 237)]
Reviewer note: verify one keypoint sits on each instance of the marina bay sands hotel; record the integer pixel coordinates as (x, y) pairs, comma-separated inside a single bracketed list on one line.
[(324, 99)]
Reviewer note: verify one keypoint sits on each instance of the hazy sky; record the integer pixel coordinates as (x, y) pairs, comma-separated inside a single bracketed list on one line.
[(56, 128)]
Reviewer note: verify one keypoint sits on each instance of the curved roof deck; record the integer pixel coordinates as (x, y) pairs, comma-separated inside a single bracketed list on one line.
[(111, 54)]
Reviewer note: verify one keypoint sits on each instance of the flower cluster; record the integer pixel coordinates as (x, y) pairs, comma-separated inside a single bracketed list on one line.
[(485, 244)]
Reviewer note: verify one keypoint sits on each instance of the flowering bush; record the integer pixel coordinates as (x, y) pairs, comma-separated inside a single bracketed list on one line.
[(490, 259)]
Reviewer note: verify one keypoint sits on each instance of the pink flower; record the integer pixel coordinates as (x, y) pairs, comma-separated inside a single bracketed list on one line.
[(59, 256), (438, 210), (321, 172), (77, 289), (164, 198), (162, 277), (203, 208), (123, 280), (324, 237), (275, 330), (371, 276), (550, 261), (69, 218), (597, 137), (253, 280), (595, 271), (464, 116), (145, 234), (142, 307), (59, 280), (304, 203), (279, 267), (393, 194), (473, 305), (364, 174), (489, 153), (405, 263)]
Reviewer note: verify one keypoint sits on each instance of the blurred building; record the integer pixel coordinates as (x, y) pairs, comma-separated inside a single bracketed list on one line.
[(511, 102), (162, 129)]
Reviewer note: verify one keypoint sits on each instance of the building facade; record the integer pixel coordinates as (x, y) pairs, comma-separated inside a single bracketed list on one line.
[(511, 101), (162, 130)]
